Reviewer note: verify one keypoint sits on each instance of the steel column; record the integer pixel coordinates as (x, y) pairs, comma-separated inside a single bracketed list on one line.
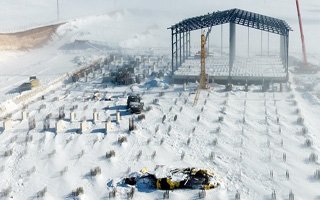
[(232, 46), (189, 44), (184, 46), (221, 40), (282, 48), (176, 50), (208, 51), (268, 43), (248, 43), (172, 52), (180, 47), (261, 44), (287, 56)]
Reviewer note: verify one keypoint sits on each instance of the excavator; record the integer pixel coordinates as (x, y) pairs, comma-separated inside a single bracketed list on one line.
[(203, 84)]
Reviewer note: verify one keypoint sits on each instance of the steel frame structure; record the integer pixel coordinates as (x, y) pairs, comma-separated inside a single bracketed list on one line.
[(180, 33)]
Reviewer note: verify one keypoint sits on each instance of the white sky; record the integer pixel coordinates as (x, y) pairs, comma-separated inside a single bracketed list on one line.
[(19, 14)]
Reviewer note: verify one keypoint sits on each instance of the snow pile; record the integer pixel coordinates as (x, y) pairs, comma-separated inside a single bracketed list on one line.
[(156, 83), (83, 45)]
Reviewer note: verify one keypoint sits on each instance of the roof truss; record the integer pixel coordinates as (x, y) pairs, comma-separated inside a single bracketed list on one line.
[(237, 16)]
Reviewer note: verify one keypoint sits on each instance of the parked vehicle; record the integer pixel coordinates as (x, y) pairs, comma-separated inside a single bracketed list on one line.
[(134, 104)]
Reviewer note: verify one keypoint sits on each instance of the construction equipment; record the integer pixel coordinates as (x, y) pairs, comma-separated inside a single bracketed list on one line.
[(134, 104), (124, 76), (33, 83), (179, 178), (136, 107), (203, 84)]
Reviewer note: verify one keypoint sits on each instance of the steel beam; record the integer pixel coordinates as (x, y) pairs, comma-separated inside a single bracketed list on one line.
[(236, 16)]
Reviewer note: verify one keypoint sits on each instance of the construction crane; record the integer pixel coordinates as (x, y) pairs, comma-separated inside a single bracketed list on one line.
[(203, 84)]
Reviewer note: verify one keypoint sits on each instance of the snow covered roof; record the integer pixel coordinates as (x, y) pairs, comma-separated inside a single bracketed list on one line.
[(237, 16)]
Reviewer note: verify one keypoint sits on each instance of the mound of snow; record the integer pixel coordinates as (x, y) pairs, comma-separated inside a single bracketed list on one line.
[(156, 83), (83, 45)]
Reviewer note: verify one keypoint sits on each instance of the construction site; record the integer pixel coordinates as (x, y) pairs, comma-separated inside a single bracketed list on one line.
[(230, 68), (93, 108)]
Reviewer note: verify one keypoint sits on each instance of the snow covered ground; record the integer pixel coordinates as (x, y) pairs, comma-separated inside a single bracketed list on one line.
[(256, 147), (136, 24), (245, 147)]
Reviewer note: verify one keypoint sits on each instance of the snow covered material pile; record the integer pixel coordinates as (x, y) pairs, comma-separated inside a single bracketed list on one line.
[(170, 179), (27, 39)]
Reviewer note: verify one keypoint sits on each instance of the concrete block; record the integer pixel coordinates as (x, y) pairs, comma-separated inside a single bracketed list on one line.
[(96, 117), (118, 117), (73, 117), (24, 115), (60, 126), (84, 126), (185, 87), (108, 127), (7, 124)]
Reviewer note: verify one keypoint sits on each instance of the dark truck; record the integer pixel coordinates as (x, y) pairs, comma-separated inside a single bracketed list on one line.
[(134, 104)]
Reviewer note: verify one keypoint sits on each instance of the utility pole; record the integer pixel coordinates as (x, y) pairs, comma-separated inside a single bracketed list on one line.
[(302, 36), (58, 11)]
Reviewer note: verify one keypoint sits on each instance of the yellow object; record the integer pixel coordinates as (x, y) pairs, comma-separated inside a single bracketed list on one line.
[(158, 184), (203, 78), (144, 170), (34, 83), (209, 186), (172, 185)]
